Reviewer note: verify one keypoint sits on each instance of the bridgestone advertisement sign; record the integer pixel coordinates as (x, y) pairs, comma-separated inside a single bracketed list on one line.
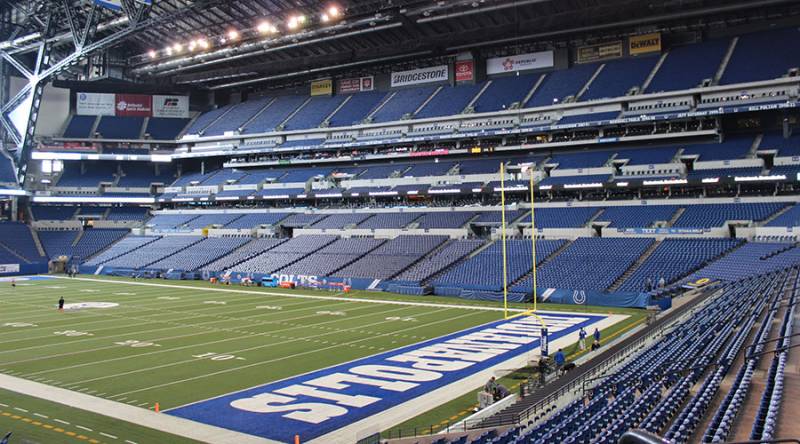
[(420, 76)]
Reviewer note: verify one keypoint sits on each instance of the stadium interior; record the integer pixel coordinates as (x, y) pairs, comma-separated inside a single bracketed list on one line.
[(636, 160)]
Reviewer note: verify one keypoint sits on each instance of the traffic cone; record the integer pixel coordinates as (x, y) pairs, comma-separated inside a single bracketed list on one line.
[(158, 409)]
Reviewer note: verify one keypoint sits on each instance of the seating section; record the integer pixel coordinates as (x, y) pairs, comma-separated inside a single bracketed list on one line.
[(284, 254), (687, 66), (121, 248), (751, 62), (753, 258), (452, 219), (208, 220), (450, 100), (200, 253), (278, 111), (564, 217), (154, 252), (333, 257), (170, 221), (574, 180), (619, 76), (245, 252), (251, 220), (636, 216), (675, 258), (117, 127), (589, 159), (127, 214), (389, 220), (578, 119), (314, 112), (790, 218), (438, 261), (17, 238), (733, 148), (207, 118), (165, 128), (505, 91), (338, 221), (52, 212), (715, 215), (494, 218), (302, 220), (391, 257), (357, 108), (647, 156), (96, 240), (80, 127), (91, 177), (786, 147), (404, 101), (484, 271), (239, 114), (587, 265), (58, 243), (558, 85)]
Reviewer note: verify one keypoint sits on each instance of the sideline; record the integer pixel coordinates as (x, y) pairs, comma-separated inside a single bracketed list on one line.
[(136, 415), (302, 296)]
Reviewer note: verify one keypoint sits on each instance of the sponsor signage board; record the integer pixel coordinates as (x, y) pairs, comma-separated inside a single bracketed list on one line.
[(602, 51), (322, 87), (95, 104), (465, 70), (419, 76), (132, 105), (645, 43), (171, 106), (520, 62)]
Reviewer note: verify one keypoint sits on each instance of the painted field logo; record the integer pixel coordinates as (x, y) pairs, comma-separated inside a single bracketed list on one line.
[(318, 403), (85, 305)]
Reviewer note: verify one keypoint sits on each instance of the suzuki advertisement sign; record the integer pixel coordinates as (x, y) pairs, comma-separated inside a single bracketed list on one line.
[(521, 62)]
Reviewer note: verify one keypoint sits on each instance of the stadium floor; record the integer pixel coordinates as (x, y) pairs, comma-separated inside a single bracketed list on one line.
[(180, 343)]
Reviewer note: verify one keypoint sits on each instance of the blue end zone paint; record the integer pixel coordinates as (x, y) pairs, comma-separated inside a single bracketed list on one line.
[(275, 425)]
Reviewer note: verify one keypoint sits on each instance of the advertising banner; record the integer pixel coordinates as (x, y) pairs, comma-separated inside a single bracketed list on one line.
[(95, 104), (171, 106), (520, 62), (420, 76), (322, 87), (603, 51), (356, 84), (465, 71), (134, 105), (645, 43)]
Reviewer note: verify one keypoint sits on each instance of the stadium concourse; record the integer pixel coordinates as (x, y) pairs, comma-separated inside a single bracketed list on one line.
[(334, 222)]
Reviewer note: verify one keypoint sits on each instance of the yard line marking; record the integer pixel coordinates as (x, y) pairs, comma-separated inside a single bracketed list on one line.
[(108, 436), (61, 421), (130, 442), (255, 364), (41, 416), (3, 405), (20, 410), (84, 428), (200, 325), (94, 363), (306, 296)]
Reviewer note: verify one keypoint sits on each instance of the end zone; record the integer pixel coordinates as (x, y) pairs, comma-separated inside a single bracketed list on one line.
[(348, 401)]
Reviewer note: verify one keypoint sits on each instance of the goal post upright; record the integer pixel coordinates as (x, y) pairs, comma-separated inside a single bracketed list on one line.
[(503, 237)]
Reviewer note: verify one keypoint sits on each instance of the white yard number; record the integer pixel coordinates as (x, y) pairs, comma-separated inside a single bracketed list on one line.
[(72, 333), (137, 344), (398, 318), (18, 324), (217, 356)]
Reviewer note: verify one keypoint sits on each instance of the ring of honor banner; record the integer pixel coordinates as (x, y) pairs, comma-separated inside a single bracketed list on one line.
[(131, 105)]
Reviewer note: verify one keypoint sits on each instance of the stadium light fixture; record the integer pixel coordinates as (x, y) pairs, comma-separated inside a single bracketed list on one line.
[(233, 35), (192, 45), (266, 28), (177, 48), (152, 53), (292, 23), (203, 43), (333, 11), (168, 50), (324, 18)]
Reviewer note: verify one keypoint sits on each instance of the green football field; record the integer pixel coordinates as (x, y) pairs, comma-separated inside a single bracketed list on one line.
[(174, 343)]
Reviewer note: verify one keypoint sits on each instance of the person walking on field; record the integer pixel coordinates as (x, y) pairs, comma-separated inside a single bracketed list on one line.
[(61, 303), (582, 339)]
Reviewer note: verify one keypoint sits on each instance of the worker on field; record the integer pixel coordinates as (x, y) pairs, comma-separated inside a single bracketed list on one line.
[(13, 283), (61, 303), (582, 339)]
